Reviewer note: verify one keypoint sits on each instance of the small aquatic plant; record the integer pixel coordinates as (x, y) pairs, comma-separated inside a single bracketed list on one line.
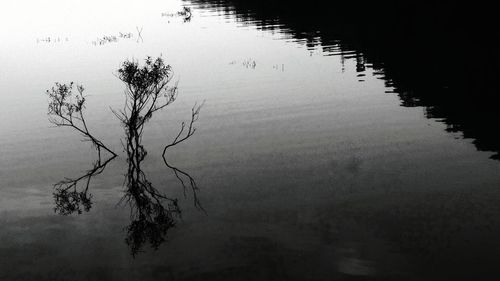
[(185, 13)]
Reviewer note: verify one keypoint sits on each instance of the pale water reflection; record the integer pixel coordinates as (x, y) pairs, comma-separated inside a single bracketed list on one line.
[(319, 154)]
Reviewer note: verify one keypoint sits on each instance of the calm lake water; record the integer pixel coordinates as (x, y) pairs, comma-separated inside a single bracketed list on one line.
[(315, 157)]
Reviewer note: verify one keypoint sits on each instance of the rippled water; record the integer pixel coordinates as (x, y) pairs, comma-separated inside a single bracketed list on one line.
[(315, 156)]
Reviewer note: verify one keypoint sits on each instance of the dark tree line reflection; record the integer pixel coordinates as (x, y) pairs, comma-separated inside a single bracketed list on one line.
[(152, 212), (440, 55)]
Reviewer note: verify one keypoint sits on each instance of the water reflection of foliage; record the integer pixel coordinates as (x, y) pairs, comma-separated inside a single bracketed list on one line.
[(147, 91), (152, 213), (69, 198)]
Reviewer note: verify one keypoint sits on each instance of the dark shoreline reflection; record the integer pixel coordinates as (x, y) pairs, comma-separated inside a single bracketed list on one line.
[(438, 55)]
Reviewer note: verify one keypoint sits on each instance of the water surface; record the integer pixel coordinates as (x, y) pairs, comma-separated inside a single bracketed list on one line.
[(318, 154)]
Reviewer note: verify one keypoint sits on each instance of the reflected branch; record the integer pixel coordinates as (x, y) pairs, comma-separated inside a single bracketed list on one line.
[(67, 196), (152, 213), (192, 183)]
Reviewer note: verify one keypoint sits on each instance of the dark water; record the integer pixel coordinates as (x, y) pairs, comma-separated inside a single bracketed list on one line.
[(348, 142)]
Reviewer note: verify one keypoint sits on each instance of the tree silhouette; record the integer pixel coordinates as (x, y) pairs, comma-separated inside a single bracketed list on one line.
[(147, 90), (66, 110)]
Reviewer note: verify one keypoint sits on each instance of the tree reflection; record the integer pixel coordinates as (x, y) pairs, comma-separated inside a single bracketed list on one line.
[(152, 213), (71, 197)]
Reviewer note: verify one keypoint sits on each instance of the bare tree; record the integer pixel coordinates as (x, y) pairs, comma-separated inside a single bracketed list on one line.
[(66, 110), (147, 91), (183, 135)]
